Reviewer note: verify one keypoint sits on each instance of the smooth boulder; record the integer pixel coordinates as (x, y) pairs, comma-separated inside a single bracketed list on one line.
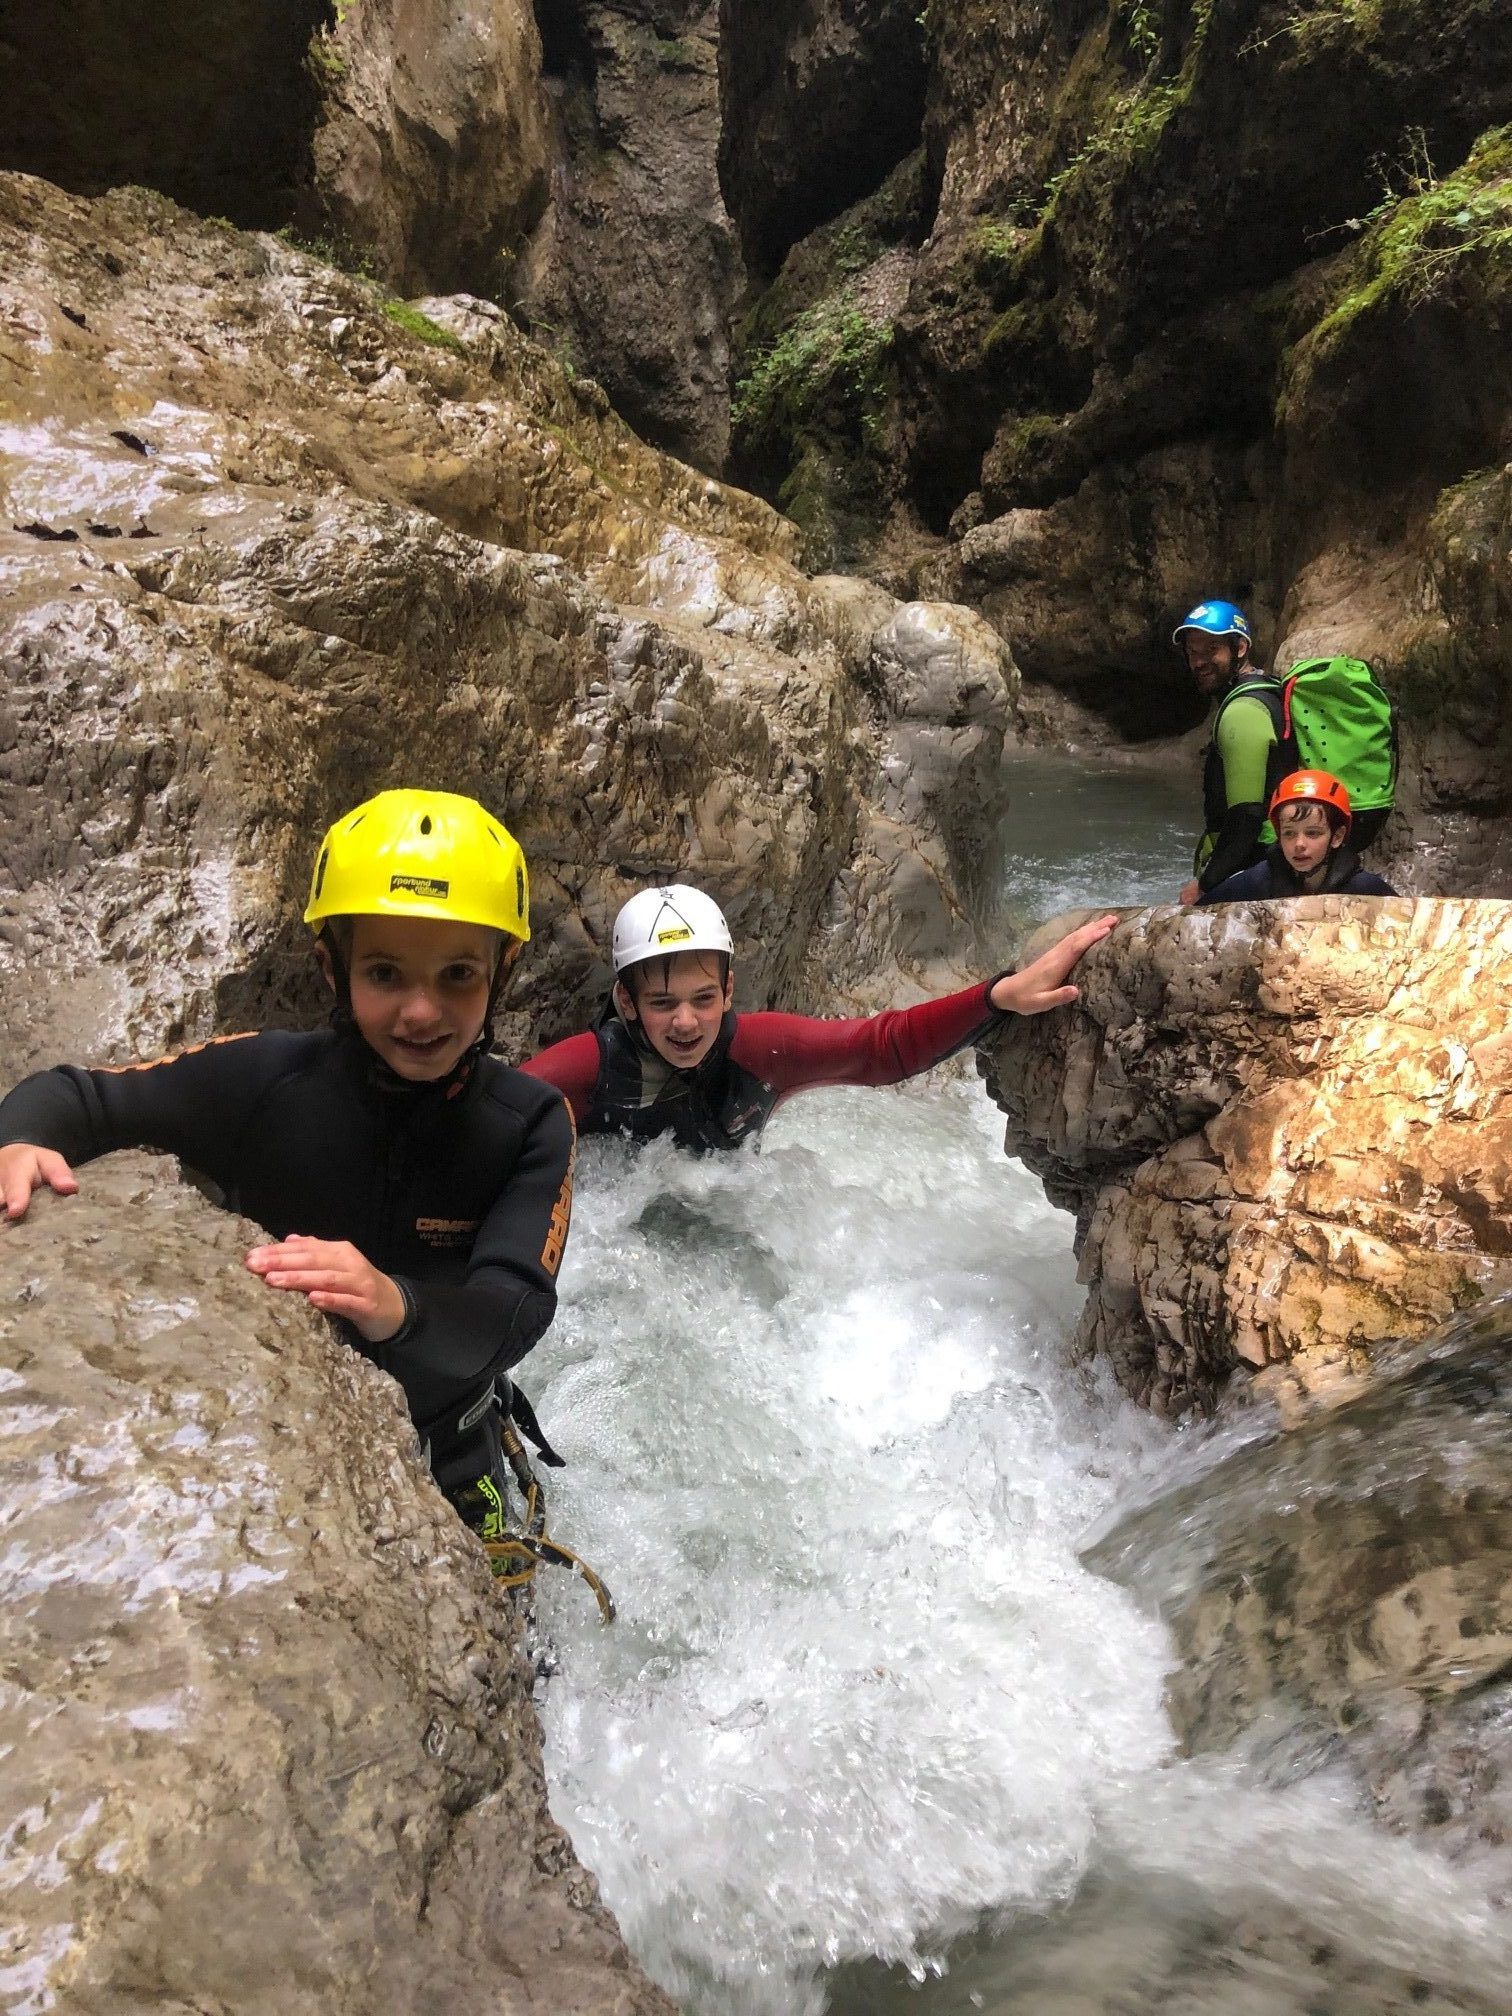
[(1284, 1129), (266, 1735)]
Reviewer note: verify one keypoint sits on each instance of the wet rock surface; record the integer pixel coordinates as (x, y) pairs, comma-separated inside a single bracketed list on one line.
[(275, 540), (268, 1734), (1169, 270), (430, 155), (1283, 1129), (635, 269), (1336, 1580)]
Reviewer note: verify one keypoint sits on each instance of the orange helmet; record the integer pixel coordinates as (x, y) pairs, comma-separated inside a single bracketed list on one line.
[(1314, 787)]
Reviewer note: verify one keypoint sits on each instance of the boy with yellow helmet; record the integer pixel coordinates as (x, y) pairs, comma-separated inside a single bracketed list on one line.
[(415, 1188)]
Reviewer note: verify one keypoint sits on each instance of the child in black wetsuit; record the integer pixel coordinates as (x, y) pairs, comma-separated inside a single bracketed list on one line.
[(1311, 855), (414, 1187)]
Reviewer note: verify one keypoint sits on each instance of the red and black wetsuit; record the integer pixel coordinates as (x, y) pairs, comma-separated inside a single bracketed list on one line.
[(616, 1083), (461, 1190)]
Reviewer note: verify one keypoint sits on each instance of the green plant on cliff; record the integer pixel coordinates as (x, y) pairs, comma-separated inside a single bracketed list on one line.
[(834, 352), (326, 62), (329, 251), (1414, 248), (809, 412), (1141, 23), (409, 319), (1132, 130)]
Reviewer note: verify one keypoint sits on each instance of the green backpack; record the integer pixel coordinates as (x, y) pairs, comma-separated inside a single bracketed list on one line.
[(1335, 717)]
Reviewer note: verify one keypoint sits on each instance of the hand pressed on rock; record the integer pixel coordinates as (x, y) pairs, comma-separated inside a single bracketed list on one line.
[(1042, 984), (337, 1279), (23, 1168), (1190, 891)]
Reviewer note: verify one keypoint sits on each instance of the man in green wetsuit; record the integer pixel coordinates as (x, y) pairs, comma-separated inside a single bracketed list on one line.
[(1244, 757)]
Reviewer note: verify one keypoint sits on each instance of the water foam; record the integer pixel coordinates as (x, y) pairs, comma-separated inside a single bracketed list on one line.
[(827, 1449)]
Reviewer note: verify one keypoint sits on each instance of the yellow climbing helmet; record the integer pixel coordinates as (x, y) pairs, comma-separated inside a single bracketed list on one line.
[(421, 854)]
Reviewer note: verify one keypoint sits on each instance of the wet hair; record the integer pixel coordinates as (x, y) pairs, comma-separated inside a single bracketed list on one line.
[(1336, 819), (659, 971)]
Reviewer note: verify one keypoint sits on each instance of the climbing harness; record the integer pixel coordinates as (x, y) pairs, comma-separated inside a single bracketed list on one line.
[(516, 1552)]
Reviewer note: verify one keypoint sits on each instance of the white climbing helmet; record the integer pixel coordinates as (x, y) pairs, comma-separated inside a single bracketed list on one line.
[(660, 923)]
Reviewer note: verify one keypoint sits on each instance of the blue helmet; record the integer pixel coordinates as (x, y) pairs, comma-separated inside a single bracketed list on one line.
[(1217, 619)]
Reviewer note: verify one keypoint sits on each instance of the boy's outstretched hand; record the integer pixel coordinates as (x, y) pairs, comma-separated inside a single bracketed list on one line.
[(1043, 985), (337, 1279), (23, 1168)]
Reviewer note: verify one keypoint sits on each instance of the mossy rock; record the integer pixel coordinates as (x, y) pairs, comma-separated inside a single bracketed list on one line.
[(1420, 247), (413, 323), (815, 394)]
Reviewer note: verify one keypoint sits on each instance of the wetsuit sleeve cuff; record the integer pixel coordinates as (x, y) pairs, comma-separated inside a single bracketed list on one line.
[(996, 1015), (411, 1321)]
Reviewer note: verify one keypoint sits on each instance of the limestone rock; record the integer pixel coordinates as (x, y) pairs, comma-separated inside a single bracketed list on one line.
[(275, 541), (431, 150), (634, 270), (211, 101), (1283, 1128), (1348, 1569), (267, 1734), (822, 98)]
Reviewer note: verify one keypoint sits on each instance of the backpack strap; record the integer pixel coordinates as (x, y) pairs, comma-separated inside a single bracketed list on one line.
[(1265, 689), (1288, 686)]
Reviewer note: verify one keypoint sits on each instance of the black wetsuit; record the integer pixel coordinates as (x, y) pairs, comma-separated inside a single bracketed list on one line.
[(460, 1191), (1275, 876), (1245, 760)]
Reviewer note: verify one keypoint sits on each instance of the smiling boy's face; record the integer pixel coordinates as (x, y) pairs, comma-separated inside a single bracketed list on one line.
[(419, 989), (679, 1002), (1307, 835)]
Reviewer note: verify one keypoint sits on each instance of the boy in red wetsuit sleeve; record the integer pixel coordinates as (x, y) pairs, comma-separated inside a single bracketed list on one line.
[(670, 1055)]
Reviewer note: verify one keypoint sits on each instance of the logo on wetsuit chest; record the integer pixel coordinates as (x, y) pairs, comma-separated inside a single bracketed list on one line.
[(418, 885), (447, 1232)]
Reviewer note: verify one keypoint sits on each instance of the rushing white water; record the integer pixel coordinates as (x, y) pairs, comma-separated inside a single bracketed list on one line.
[(827, 1446)]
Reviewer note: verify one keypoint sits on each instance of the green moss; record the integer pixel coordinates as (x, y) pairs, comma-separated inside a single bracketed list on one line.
[(810, 415), (1029, 327), (333, 251), (833, 351), (675, 54), (327, 64), (403, 316), (1131, 133), (817, 268), (1029, 439), (1415, 247)]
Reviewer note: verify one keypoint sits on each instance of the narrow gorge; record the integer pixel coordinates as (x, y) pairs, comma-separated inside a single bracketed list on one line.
[(768, 448)]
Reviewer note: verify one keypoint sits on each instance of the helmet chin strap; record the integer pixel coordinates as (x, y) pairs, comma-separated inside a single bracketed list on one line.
[(341, 981), (502, 970)]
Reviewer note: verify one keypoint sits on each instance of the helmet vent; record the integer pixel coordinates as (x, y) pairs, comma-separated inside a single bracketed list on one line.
[(425, 823)]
